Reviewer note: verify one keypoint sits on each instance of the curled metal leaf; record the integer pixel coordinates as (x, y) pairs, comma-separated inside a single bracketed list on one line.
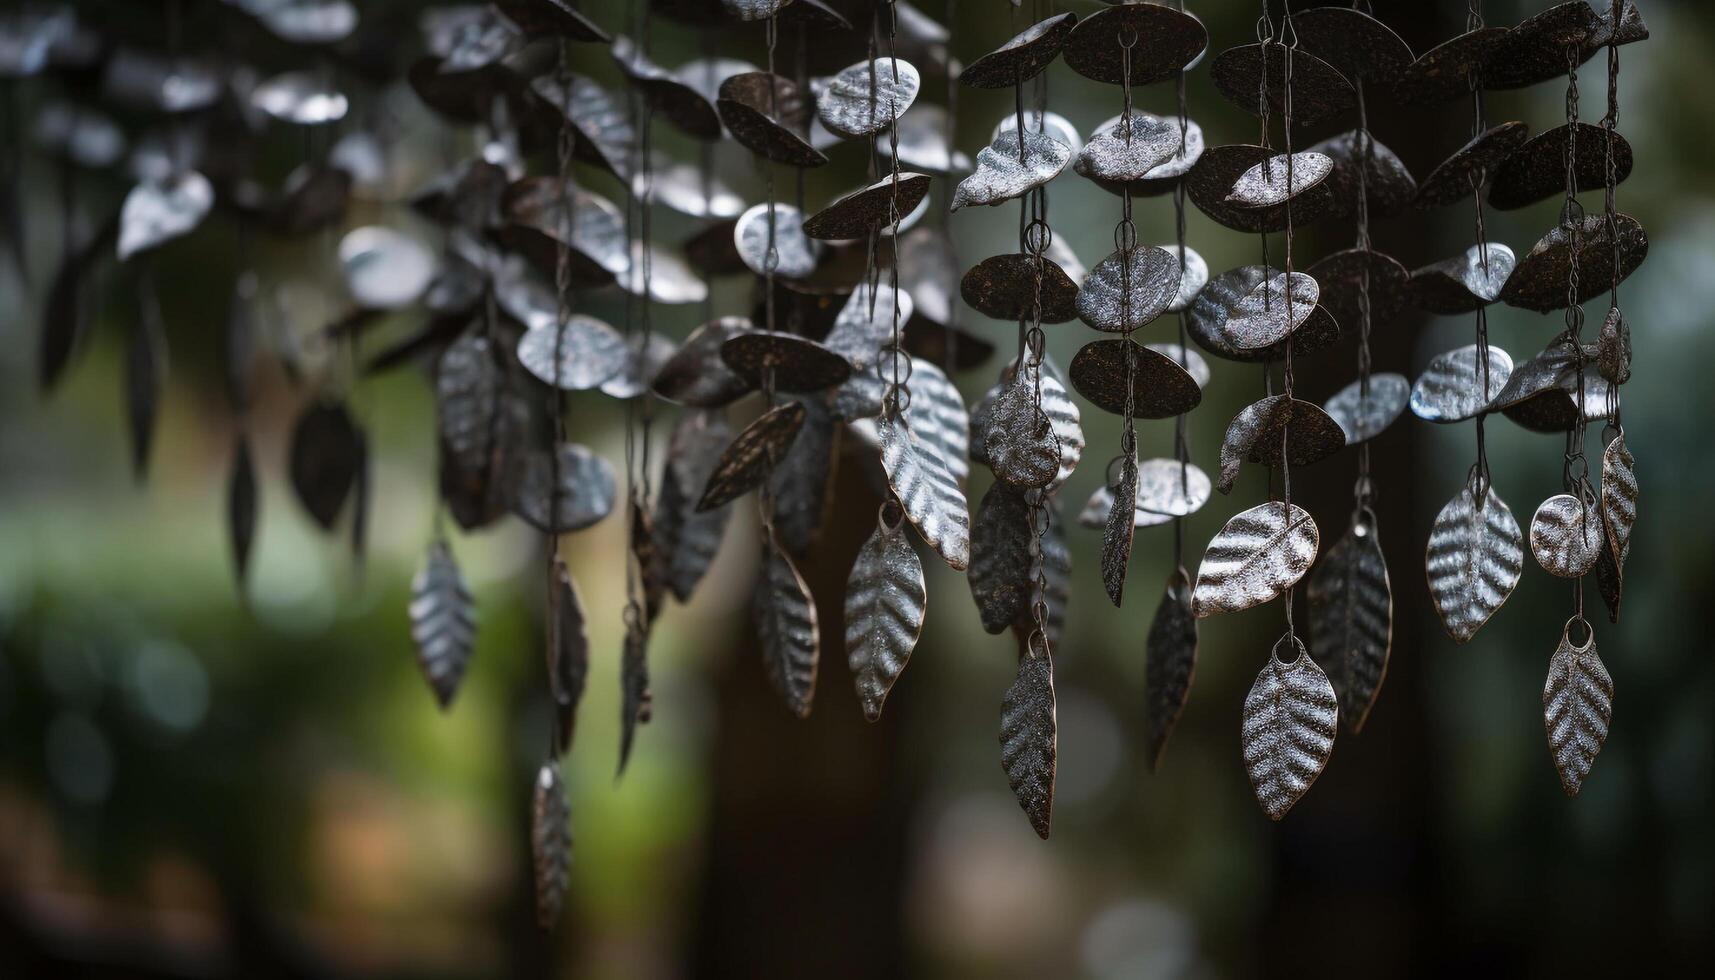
[(1256, 556), (927, 491), (785, 617), (1120, 154), (1052, 123), (1004, 287), (747, 461), (1011, 165), (1129, 288), (1566, 534), (1170, 665), (1274, 308), (157, 211), (1577, 707), (1028, 736), (695, 375), (1619, 499), (868, 96), (1160, 387), (550, 843), (1023, 57), (885, 604), (1290, 718), (1463, 283), (1474, 558), (791, 362), (1277, 429), (1117, 535), (585, 353), (687, 539), (1536, 171), (1451, 387), (583, 496), (605, 134), (1251, 74), (443, 622), (1471, 166), (1279, 179), (1165, 40), (1167, 489), (795, 252), (766, 114), (872, 209), (1351, 618), (1363, 415), (1542, 394), (1539, 281)]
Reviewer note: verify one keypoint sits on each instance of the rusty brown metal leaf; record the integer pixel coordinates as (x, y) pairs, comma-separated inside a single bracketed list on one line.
[(635, 699), (695, 375), (1539, 281), (1248, 74), (1023, 57), (1004, 287), (1160, 387), (796, 364), (871, 209), (568, 651), (744, 105), (1471, 166), (1536, 171)]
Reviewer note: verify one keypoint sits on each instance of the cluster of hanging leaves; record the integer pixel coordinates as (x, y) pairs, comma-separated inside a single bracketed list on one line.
[(855, 331)]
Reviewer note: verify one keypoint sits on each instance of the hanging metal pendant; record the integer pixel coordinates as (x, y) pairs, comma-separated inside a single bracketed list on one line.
[(443, 622), (1052, 564), (785, 617), (1566, 535), (795, 252), (1363, 416), (744, 106), (1206, 319), (581, 354), (686, 538), (585, 494), (1000, 557), (1010, 166), (868, 96), (798, 483), (885, 599), (1257, 555), (671, 98), (1535, 49), (568, 652), (1351, 618), (1274, 308), (1164, 178), (1386, 181), (1160, 388), (157, 211), (1577, 706), (1614, 348), (1542, 393), (695, 376), (936, 416), (1170, 666), (1540, 280), (1275, 181), (1250, 73), (1116, 155), (872, 209), (928, 493), (1129, 288), (1445, 72), (1464, 283), (1211, 181), (1619, 499), (1003, 287), (1470, 166), (327, 452), (1020, 445), (1474, 558), (1360, 46), (1290, 718), (1451, 388), (550, 843), (1116, 539), (1166, 40), (1536, 171), (1258, 432), (1028, 735), (1022, 58), (795, 364), (748, 460)]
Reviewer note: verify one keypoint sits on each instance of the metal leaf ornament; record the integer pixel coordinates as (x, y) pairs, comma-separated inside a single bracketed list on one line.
[(928, 493), (550, 843), (1577, 706), (1121, 154), (686, 539), (568, 651), (1351, 618), (1451, 387), (1619, 514), (1290, 718), (1028, 736), (747, 461), (1474, 559), (1170, 665), (785, 617), (1256, 556), (885, 604), (1011, 165), (443, 622), (326, 454), (1000, 557), (1128, 289), (1258, 432), (1566, 534), (583, 496), (867, 97), (1020, 444)]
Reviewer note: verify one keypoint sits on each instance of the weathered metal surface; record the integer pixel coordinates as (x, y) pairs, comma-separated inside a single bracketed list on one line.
[(1165, 40), (443, 622), (1363, 416), (1170, 666), (1129, 288), (1006, 171), (1277, 429), (1577, 707), (1451, 388), (1463, 283), (785, 617), (1160, 388), (1290, 718), (1028, 737), (1539, 281), (1259, 554), (928, 492), (885, 604), (748, 459), (1566, 534), (1351, 618), (1023, 57), (868, 96), (1474, 559)]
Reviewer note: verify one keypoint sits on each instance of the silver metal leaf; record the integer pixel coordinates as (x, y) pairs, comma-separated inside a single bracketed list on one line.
[(384, 269), (868, 96), (1450, 389), (1051, 123), (795, 253), (590, 353), (1166, 489), (1258, 555), (1474, 559), (1290, 718), (785, 617), (1577, 707), (1114, 154), (1028, 737), (1265, 184), (1000, 557), (568, 651), (1116, 538), (1566, 535), (1128, 289), (1351, 618), (1462, 284), (1020, 444), (157, 211), (1170, 667), (1006, 170), (866, 322), (927, 491), (758, 449), (585, 493), (1619, 498), (936, 415), (1263, 317), (1273, 430), (1193, 276), (687, 539), (1542, 393), (644, 357), (443, 622), (885, 604), (550, 843), (1364, 415)]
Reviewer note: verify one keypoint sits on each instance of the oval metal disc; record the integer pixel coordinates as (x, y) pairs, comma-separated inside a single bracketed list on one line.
[(1004, 287), (798, 364), (1566, 535), (1537, 170), (1341, 277), (1471, 166), (1464, 283), (877, 206), (1274, 308), (1360, 46), (1443, 73), (585, 494), (1004, 173), (1206, 319), (1245, 74), (1185, 357), (695, 375), (1023, 57), (1279, 178), (1212, 179), (1166, 489), (868, 96), (590, 352), (1450, 388), (1127, 290), (1386, 182), (1277, 429), (796, 253), (1534, 50), (1160, 387), (682, 105), (1165, 40), (1540, 279), (1113, 155), (743, 105), (1363, 416)]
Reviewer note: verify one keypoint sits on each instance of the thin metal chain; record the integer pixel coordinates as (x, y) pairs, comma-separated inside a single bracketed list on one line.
[(896, 398), (1610, 180), (1289, 42), (1181, 422), (1125, 243)]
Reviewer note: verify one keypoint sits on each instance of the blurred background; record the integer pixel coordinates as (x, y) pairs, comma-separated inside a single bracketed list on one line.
[(201, 781)]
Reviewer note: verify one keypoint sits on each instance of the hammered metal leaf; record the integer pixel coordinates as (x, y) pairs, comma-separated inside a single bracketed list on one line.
[(1249, 74), (1258, 432), (1274, 308), (885, 602), (936, 415), (1279, 179), (1364, 415), (1023, 57), (589, 353), (1290, 718), (785, 617), (1010, 166), (1445, 72), (875, 208), (865, 323), (1451, 389), (1540, 279), (1566, 535), (1205, 320), (1577, 707), (1171, 664), (550, 843), (1259, 554), (927, 491), (1000, 557), (1116, 538), (1166, 40), (747, 461), (798, 484), (1471, 166), (1004, 287), (1537, 170), (443, 622), (1028, 738), (1619, 498), (1351, 618), (1129, 288), (1463, 283), (1474, 558), (1160, 387), (687, 539), (1115, 155), (868, 96), (585, 494), (1359, 45), (1020, 444)]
